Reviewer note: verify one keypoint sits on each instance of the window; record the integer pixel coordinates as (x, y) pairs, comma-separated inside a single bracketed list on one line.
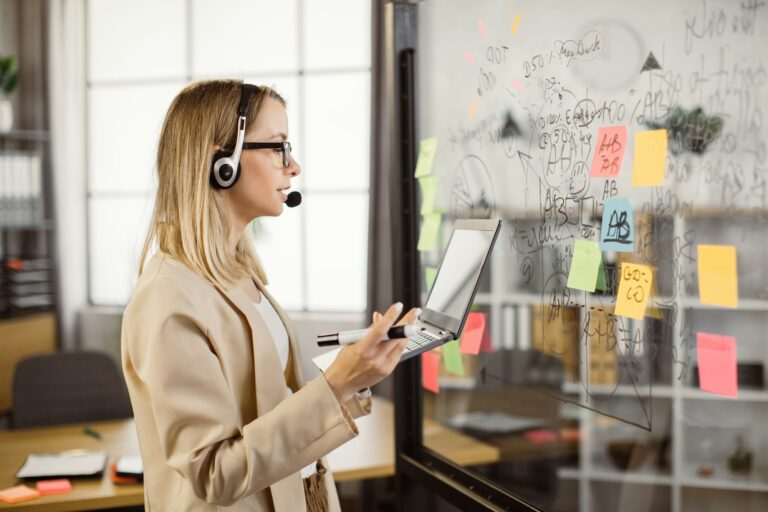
[(316, 54)]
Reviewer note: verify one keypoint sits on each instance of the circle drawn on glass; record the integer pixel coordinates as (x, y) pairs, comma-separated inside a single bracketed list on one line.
[(472, 191)]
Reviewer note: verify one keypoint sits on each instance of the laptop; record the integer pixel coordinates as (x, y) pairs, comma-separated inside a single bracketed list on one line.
[(458, 276)]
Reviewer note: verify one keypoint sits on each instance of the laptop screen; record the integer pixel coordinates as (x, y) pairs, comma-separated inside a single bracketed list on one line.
[(459, 273)]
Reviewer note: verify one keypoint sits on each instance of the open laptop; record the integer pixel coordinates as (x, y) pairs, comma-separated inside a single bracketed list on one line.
[(443, 316)]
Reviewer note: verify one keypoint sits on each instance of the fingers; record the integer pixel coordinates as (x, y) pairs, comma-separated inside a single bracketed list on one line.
[(410, 317), (381, 326), (395, 353), (376, 316)]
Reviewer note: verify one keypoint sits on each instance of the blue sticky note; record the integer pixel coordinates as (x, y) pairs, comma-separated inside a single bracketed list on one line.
[(617, 232)]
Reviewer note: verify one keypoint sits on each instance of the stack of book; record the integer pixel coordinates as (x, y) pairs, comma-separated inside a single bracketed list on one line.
[(26, 285)]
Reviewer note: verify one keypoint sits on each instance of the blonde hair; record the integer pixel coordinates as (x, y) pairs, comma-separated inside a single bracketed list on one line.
[(189, 221)]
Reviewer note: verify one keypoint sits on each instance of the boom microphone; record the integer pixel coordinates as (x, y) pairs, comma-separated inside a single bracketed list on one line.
[(294, 199)]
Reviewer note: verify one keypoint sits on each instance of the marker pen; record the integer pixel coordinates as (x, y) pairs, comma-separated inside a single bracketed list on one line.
[(347, 337)]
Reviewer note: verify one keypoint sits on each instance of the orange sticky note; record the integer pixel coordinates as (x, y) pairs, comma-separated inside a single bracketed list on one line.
[(58, 486), (718, 277), (717, 364), (609, 152), (474, 332), (430, 368), (18, 494), (634, 290), (650, 158)]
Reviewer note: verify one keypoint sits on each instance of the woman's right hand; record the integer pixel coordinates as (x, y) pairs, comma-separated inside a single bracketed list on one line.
[(370, 360)]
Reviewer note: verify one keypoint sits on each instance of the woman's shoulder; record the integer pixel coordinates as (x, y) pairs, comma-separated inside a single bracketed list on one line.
[(166, 281)]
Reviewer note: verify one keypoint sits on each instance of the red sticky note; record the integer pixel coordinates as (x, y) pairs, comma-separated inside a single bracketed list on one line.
[(541, 435), (717, 364), (430, 367), (469, 57), (18, 494), (609, 151), (59, 486), (474, 332)]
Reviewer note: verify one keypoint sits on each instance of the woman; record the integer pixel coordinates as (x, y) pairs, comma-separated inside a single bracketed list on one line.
[(223, 415)]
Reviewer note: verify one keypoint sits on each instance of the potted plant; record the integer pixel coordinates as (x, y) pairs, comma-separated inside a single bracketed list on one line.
[(9, 79)]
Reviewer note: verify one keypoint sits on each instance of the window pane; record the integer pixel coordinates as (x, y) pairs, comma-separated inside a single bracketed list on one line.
[(337, 251), (124, 126), (124, 42), (278, 244), (240, 37), (117, 227), (337, 33), (288, 87), (337, 130)]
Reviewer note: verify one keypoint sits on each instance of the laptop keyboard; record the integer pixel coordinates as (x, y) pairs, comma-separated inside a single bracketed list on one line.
[(420, 339)]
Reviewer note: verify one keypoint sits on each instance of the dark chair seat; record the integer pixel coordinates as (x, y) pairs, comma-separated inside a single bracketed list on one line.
[(68, 387)]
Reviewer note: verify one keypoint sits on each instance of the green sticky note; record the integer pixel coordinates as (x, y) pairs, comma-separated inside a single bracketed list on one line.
[(429, 230), (429, 274), (428, 190), (584, 266), (452, 358), (427, 150), (601, 284)]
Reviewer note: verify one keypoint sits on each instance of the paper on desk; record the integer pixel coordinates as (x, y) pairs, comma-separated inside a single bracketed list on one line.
[(78, 463)]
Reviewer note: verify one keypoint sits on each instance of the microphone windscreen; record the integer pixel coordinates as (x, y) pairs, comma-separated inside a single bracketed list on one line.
[(294, 199)]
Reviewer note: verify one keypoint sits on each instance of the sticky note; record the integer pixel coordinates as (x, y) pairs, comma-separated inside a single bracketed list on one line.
[(18, 494), (601, 283), (541, 435), (650, 158), (609, 152), (430, 228), (427, 150), (717, 364), (584, 266), (481, 28), (718, 278), (472, 108), (429, 276), (469, 57), (58, 486), (474, 332), (516, 23), (617, 232), (430, 367), (634, 289), (452, 358), (428, 189)]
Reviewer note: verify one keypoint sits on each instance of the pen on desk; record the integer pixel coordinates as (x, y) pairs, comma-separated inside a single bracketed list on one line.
[(90, 432), (347, 337)]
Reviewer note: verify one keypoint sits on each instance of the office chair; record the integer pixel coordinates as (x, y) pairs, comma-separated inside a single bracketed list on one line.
[(68, 387)]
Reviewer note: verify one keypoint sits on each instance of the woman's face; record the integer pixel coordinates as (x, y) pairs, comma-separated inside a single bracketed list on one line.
[(260, 191)]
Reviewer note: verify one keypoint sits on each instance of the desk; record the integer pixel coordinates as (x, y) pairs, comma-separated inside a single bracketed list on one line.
[(370, 455)]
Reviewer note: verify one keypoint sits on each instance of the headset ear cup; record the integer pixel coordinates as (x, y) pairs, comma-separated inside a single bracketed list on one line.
[(219, 178)]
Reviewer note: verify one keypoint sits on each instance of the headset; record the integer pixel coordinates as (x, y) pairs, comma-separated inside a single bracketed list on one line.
[(225, 168)]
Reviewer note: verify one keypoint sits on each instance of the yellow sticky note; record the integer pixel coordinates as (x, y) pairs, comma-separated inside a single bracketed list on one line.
[(452, 358), (428, 190), (429, 231), (427, 150), (429, 275), (650, 158), (718, 278), (634, 290)]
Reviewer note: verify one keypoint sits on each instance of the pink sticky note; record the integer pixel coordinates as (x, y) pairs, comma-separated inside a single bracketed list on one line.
[(541, 435), (18, 494), (717, 364), (469, 57), (517, 85), (481, 28), (474, 331), (430, 367), (609, 151), (59, 486)]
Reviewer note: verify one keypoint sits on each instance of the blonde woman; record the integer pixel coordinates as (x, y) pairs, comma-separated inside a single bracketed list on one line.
[(223, 415)]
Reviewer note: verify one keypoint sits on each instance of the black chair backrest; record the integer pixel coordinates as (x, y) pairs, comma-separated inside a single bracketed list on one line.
[(68, 387)]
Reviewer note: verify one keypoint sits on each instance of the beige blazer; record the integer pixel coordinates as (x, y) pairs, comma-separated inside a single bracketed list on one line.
[(218, 429)]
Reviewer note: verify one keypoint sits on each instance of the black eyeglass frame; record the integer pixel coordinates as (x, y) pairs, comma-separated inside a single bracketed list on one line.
[(284, 147)]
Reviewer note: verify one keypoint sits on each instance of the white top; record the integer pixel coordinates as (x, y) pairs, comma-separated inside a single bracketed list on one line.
[(280, 336)]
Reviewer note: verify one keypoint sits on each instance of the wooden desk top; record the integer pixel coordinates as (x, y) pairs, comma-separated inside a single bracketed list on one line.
[(370, 455)]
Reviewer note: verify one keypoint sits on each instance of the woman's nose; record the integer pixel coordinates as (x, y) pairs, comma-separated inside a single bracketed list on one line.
[(294, 168)]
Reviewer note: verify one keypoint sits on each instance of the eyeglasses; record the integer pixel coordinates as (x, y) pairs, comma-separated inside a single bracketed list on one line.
[(284, 147)]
